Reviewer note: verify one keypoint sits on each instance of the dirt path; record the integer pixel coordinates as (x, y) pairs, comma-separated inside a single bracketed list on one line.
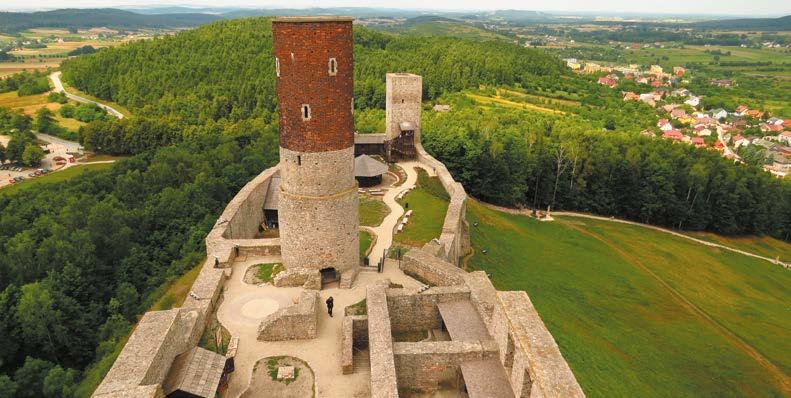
[(527, 212), (783, 381), (384, 231)]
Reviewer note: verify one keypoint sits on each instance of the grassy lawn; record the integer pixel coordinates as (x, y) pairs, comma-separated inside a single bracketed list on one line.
[(12, 100), (428, 203), (633, 309), (54, 177), (763, 246), (372, 211), (267, 272), (365, 242), (69, 123)]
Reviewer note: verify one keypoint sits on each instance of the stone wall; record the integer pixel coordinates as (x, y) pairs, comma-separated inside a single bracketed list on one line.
[(296, 322), (159, 337), (306, 278), (319, 210), (239, 222), (422, 366), (354, 335), (454, 240), (384, 383), (424, 266), (415, 312), (528, 351)]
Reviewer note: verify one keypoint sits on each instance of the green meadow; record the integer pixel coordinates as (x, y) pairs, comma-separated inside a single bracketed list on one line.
[(641, 313)]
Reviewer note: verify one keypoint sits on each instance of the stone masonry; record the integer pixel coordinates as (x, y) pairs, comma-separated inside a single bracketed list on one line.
[(318, 210), (403, 100), (297, 322)]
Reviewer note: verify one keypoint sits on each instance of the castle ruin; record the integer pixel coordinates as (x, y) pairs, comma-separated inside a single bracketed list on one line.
[(475, 341)]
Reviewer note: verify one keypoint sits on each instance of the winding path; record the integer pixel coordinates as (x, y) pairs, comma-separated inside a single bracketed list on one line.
[(527, 212), (384, 232), (55, 77)]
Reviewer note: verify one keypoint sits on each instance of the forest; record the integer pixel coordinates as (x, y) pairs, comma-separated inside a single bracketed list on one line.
[(77, 271)]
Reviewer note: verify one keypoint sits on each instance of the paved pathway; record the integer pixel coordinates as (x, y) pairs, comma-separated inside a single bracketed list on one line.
[(528, 212), (384, 232), (55, 77), (323, 353)]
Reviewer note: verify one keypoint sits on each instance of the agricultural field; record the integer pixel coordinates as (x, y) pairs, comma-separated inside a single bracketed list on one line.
[(59, 42), (632, 308)]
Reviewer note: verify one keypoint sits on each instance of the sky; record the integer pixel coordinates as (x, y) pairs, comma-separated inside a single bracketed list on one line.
[(675, 7)]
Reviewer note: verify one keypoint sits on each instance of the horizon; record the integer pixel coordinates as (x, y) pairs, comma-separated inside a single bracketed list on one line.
[(758, 8)]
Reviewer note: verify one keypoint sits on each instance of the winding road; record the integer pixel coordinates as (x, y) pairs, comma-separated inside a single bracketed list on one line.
[(55, 77)]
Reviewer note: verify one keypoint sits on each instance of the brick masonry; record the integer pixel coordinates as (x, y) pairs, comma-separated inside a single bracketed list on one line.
[(319, 207), (303, 49)]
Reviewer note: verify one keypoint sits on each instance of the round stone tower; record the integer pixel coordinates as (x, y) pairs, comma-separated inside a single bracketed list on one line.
[(318, 209)]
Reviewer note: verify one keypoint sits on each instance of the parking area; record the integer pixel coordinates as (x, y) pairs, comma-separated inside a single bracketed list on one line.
[(61, 154)]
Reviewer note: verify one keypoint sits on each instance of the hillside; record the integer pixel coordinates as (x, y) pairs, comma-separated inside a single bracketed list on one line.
[(11, 22), (759, 24), (225, 70), (633, 308)]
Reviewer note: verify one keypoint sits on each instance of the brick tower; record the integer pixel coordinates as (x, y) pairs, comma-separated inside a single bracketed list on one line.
[(318, 210)]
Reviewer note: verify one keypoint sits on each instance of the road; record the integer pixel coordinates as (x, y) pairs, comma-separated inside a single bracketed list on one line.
[(726, 149), (55, 77)]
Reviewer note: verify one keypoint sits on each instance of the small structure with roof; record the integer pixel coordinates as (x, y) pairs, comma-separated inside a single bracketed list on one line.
[(195, 373), (368, 171)]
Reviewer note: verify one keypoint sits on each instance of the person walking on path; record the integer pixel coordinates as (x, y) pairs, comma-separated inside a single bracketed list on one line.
[(329, 305)]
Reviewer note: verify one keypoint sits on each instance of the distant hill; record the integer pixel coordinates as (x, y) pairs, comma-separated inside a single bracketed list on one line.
[(11, 22), (359, 12), (762, 24)]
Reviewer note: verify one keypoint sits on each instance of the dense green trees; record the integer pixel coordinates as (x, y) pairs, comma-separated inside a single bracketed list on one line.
[(226, 70), (27, 83), (517, 159), (75, 271)]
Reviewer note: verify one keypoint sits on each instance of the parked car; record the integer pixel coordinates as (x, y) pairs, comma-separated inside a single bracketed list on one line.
[(12, 181)]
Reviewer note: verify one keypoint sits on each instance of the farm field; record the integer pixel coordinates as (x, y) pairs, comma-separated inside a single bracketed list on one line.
[(632, 308)]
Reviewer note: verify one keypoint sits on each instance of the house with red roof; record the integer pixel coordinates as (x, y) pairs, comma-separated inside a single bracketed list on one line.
[(674, 135), (677, 113), (785, 137), (606, 81), (741, 109), (698, 142)]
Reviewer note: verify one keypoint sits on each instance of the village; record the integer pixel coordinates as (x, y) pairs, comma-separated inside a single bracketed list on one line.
[(682, 116)]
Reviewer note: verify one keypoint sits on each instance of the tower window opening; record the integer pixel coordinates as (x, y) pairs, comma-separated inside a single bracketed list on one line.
[(333, 67), (305, 112), (299, 160), (277, 66)]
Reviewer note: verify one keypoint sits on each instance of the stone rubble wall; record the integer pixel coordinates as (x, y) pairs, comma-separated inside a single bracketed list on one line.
[(454, 241), (354, 334), (239, 222), (424, 266), (422, 366), (416, 312), (297, 322), (159, 337), (384, 383), (306, 278)]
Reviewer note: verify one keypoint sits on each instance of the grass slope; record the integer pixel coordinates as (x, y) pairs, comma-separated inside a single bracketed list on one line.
[(54, 177), (429, 203), (637, 312), (372, 211)]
